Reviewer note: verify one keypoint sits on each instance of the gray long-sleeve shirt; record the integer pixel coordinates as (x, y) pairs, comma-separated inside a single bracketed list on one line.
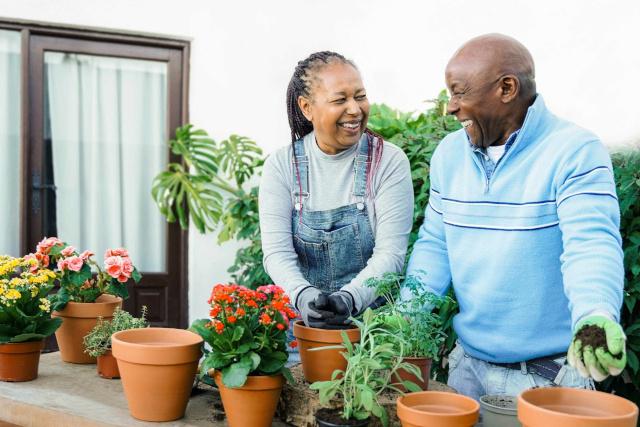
[(331, 177)]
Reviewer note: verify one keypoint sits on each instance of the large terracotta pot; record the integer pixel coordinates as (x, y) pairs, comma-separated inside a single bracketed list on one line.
[(108, 366), (157, 367), (78, 319), (569, 407), (319, 365), (19, 361), (423, 364), (437, 408), (253, 404)]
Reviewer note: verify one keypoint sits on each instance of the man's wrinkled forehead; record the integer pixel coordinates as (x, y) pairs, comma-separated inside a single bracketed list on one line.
[(466, 67)]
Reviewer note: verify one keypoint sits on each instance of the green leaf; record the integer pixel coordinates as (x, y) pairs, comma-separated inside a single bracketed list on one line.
[(273, 362), (78, 278), (48, 327), (199, 327), (136, 275), (235, 375), (632, 361), (27, 337)]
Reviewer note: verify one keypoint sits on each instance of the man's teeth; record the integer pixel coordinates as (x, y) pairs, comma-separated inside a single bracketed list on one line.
[(466, 123)]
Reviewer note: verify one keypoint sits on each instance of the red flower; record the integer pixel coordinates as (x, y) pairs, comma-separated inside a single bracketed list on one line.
[(280, 326), (265, 319), (293, 344), (219, 327), (231, 319), (240, 312)]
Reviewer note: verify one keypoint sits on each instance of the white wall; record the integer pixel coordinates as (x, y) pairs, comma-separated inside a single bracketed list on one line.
[(244, 52)]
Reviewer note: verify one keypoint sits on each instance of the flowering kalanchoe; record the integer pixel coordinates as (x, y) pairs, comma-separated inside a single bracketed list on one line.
[(24, 307), (81, 278), (246, 331)]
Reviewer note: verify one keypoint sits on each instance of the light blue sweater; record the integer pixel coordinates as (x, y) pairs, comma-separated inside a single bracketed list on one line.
[(530, 250)]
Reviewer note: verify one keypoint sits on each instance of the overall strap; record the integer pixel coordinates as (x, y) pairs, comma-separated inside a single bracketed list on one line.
[(300, 167), (360, 169)]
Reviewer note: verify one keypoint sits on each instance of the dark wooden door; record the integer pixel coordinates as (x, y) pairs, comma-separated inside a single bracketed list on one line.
[(163, 289)]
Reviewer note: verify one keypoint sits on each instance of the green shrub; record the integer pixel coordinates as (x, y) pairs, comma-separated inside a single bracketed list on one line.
[(98, 341)]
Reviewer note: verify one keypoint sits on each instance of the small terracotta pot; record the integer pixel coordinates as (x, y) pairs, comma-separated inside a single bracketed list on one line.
[(157, 367), (19, 361), (108, 366), (570, 407), (319, 365), (253, 404), (437, 408), (423, 364), (78, 319)]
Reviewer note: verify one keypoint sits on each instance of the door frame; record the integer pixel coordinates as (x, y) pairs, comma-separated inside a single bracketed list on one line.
[(38, 37)]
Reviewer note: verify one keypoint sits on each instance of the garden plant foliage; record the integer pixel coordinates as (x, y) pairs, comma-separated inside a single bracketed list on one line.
[(418, 136)]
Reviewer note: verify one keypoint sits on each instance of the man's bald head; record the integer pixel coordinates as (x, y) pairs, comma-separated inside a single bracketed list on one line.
[(498, 54), (492, 85)]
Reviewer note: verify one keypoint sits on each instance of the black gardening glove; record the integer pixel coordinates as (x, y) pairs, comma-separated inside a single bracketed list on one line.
[(340, 303), (312, 307)]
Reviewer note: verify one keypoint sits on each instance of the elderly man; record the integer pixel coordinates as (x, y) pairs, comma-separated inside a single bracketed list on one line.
[(523, 219)]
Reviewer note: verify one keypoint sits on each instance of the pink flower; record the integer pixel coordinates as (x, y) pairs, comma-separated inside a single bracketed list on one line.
[(63, 264), (36, 265), (47, 243), (43, 259), (75, 263), (122, 278), (116, 252), (86, 255), (113, 266), (127, 266), (68, 251)]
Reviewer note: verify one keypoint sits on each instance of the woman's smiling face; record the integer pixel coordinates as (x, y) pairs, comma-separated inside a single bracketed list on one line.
[(338, 107)]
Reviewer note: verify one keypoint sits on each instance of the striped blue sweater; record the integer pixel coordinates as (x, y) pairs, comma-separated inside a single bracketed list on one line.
[(529, 250)]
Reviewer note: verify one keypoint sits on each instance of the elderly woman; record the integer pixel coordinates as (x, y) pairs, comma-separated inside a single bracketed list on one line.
[(336, 205)]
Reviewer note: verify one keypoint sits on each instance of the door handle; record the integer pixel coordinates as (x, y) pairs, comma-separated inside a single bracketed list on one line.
[(36, 184)]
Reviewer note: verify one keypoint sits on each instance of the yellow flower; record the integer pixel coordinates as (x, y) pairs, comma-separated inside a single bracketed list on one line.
[(13, 294), (45, 305), (8, 265)]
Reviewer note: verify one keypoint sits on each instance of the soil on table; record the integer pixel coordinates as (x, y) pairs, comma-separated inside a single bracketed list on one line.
[(335, 417), (592, 335)]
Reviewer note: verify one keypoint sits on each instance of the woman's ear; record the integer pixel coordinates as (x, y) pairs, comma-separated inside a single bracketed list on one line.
[(306, 107)]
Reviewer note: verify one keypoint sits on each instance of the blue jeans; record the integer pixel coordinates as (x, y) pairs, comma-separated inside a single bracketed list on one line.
[(474, 377)]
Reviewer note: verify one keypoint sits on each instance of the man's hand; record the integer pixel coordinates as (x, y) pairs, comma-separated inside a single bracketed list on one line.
[(605, 360)]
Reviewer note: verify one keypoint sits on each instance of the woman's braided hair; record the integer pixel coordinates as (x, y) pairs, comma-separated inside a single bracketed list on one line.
[(301, 85)]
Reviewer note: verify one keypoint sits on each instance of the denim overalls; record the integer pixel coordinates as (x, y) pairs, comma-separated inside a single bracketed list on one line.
[(333, 246)]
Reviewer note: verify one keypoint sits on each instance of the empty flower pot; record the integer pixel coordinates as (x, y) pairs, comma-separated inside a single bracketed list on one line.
[(570, 407), (157, 367), (437, 408), (319, 365), (499, 410), (78, 318)]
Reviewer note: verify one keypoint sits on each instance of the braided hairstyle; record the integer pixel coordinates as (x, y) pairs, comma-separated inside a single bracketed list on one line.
[(301, 85)]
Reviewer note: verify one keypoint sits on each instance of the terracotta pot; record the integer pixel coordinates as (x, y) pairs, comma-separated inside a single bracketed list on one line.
[(78, 318), (108, 366), (423, 364), (499, 410), (319, 365), (19, 361), (253, 404), (157, 367), (332, 418), (570, 407), (437, 408)]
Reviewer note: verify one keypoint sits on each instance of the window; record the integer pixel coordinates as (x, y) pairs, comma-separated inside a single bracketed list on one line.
[(97, 109)]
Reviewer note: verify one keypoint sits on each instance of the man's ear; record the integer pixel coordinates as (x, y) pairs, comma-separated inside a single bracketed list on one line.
[(305, 107), (509, 88)]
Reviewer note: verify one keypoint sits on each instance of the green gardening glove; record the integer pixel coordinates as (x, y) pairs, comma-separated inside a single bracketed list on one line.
[(605, 360)]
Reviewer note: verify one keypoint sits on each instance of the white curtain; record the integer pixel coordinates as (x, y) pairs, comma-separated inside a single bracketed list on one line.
[(10, 142), (107, 122)]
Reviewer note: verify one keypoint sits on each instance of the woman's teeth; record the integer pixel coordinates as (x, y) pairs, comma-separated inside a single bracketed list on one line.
[(350, 125)]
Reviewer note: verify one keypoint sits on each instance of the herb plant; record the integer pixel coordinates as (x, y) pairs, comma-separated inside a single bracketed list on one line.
[(98, 341)]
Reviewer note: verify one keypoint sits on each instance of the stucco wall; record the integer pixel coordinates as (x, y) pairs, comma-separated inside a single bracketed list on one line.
[(244, 52)]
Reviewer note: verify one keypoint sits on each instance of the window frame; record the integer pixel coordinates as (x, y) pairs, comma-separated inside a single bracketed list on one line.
[(37, 37)]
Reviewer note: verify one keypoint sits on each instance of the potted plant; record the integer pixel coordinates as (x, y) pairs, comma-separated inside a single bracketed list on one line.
[(247, 333), (86, 291), (25, 318), (98, 342), (411, 319), (371, 364)]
